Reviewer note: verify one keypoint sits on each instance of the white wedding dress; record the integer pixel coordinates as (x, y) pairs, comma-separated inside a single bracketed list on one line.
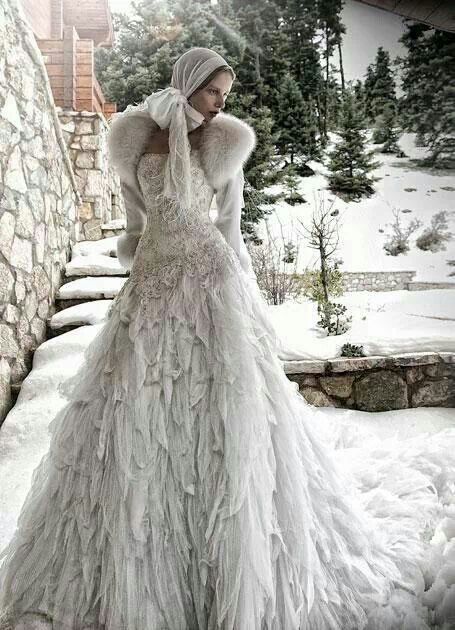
[(186, 486)]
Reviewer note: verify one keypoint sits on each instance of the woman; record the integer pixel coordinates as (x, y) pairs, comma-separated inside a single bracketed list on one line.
[(184, 487)]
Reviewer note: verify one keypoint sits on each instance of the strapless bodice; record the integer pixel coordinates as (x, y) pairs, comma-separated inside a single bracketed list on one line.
[(174, 240)]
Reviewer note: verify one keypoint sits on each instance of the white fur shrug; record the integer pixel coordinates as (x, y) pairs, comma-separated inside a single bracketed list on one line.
[(226, 144)]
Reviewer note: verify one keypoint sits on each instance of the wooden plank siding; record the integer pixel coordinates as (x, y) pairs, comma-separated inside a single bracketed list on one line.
[(39, 17), (85, 72), (92, 19), (69, 58)]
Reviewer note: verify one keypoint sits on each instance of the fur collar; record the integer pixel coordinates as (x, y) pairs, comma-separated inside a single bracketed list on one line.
[(226, 144)]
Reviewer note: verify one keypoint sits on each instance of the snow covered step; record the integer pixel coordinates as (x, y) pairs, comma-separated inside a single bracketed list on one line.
[(113, 225), (94, 265), (86, 313), (85, 289), (105, 246)]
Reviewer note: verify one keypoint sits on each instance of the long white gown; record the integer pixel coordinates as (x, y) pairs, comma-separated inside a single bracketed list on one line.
[(186, 486)]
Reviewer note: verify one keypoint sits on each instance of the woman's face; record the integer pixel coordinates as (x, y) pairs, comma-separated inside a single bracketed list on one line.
[(211, 99)]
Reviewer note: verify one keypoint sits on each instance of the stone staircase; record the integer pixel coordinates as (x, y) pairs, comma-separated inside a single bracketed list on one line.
[(93, 277)]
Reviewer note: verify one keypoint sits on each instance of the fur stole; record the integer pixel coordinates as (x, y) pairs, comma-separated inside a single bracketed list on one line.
[(226, 144)]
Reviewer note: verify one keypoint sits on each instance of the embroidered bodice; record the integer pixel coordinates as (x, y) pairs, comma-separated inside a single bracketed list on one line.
[(175, 241)]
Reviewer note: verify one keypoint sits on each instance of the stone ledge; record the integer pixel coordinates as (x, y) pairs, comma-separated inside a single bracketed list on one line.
[(377, 383), (354, 364)]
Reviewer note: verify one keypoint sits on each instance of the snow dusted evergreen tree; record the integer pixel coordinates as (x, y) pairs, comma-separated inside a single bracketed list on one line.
[(295, 122), (386, 131), (332, 29), (384, 91), (380, 88), (263, 59), (350, 162), (260, 171), (428, 104), (368, 91), (359, 96), (415, 70)]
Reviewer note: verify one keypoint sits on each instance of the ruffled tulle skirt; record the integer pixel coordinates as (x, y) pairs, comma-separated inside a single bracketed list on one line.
[(186, 486)]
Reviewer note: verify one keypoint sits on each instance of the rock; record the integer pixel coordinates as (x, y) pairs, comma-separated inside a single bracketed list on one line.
[(7, 225), (340, 386), (381, 391), (413, 375), (434, 394), (5, 388), (8, 344), (21, 254), (10, 112), (14, 177), (25, 223), (351, 364), (317, 398), (304, 367), (85, 160)]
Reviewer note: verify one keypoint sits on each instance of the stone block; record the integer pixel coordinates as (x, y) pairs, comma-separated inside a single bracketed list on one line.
[(339, 386), (8, 342), (354, 364), (21, 254), (85, 211), (414, 374), (5, 388), (318, 398), (7, 227), (381, 391), (304, 367), (85, 159), (439, 393)]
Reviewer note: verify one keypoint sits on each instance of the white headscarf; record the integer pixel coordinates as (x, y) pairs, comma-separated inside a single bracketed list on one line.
[(170, 108)]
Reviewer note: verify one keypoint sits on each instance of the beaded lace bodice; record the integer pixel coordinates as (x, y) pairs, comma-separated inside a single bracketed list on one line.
[(174, 241)]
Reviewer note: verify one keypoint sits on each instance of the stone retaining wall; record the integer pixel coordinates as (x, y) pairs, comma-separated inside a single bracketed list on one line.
[(86, 136), (425, 286), (377, 383), (377, 280), (38, 199)]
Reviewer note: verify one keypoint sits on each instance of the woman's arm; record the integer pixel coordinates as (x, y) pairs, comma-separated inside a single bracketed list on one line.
[(229, 202)]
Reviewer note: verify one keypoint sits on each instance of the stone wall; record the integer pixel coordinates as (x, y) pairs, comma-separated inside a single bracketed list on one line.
[(377, 280), (86, 137), (425, 286), (377, 383), (38, 200)]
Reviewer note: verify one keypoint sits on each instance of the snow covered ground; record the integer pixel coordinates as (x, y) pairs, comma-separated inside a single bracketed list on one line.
[(383, 322), (401, 462), (361, 243)]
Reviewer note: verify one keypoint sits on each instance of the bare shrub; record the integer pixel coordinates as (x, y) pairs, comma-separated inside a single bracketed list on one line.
[(398, 241), (275, 264), (435, 237)]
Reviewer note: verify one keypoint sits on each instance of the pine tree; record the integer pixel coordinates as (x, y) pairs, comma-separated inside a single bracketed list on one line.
[(330, 24), (147, 45), (368, 86), (383, 90), (295, 122), (261, 169), (263, 57), (428, 105), (386, 131), (351, 162), (414, 78), (359, 96)]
